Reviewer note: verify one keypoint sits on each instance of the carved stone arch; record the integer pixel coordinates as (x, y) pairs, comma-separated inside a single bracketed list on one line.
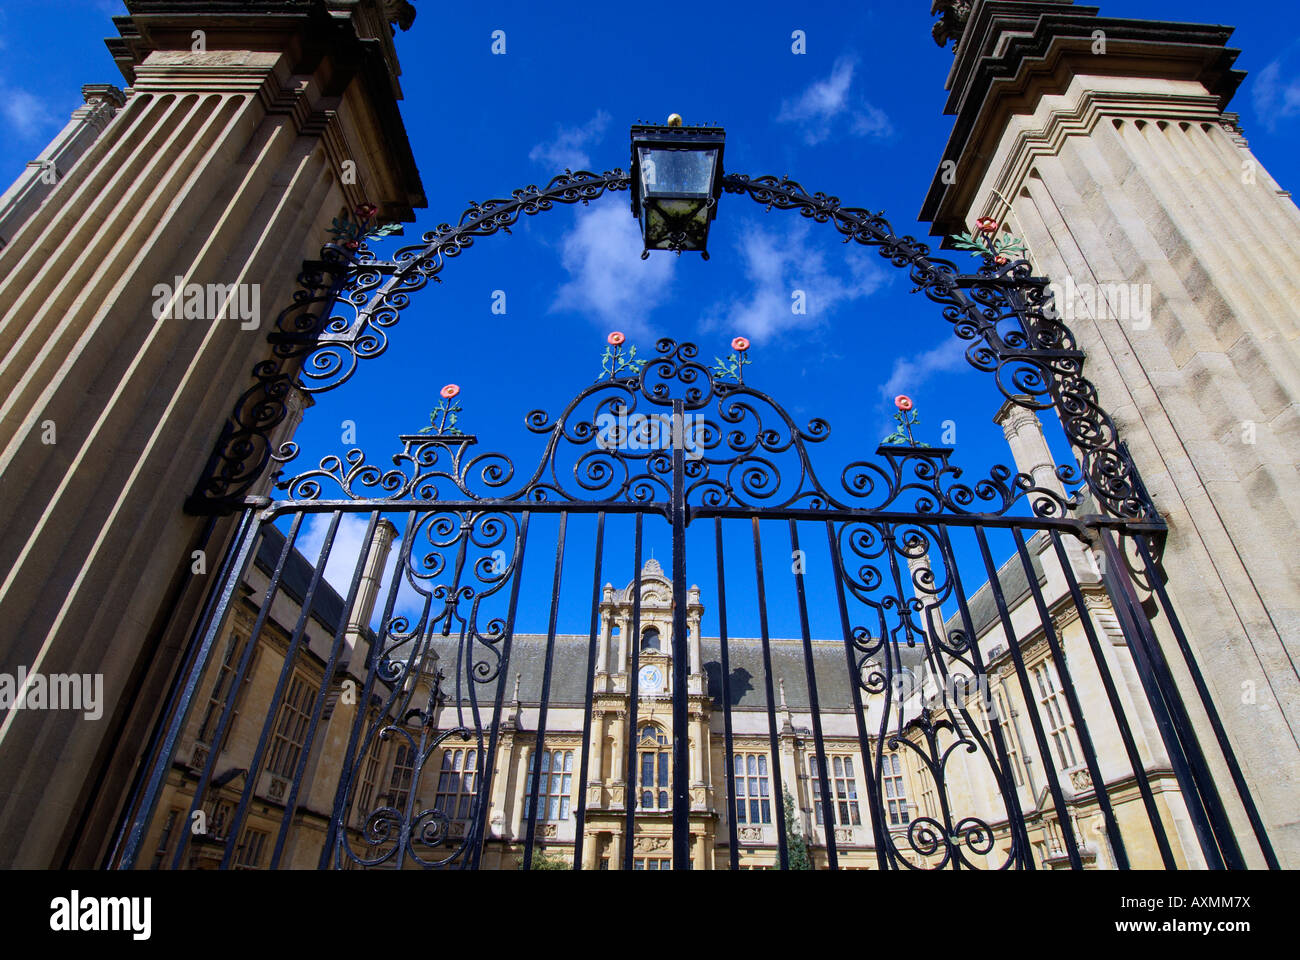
[(1004, 312)]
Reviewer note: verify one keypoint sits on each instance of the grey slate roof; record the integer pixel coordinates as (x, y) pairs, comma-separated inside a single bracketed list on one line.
[(745, 656), (327, 605)]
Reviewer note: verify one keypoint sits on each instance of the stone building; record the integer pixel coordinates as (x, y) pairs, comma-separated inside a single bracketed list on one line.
[(1105, 143), (732, 791)]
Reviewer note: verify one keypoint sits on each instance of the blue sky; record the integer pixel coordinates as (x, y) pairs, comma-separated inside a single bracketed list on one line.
[(858, 116)]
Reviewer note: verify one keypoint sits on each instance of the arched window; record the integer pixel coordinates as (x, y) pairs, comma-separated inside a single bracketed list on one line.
[(650, 640), (652, 745)]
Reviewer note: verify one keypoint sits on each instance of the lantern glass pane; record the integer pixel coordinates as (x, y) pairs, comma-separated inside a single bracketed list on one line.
[(666, 172)]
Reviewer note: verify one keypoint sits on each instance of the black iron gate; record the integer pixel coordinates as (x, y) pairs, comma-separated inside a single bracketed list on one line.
[(977, 682)]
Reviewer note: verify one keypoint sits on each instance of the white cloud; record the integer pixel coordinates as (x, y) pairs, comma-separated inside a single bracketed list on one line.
[(778, 266), (608, 278), (911, 372), (1274, 98), (349, 543), (24, 114), (818, 108), (568, 151)]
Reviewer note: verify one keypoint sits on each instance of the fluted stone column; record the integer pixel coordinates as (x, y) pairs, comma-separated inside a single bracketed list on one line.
[(19, 202), (225, 165), (1117, 164)]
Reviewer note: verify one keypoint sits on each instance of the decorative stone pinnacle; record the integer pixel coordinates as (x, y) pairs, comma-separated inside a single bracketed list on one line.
[(952, 24)]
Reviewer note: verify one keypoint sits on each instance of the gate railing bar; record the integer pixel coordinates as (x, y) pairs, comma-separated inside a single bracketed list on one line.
[(279, 508), (227, 710), (814, 704), (342, 795), (1154, 575), (1223, 835), (681, 662), (1116, 707), (1132, 620), (543, 707), (1072, 701), (579, 836), (1044, 748), (181, 698), (254, 771), (1076, 525), (956, 707), (1080, 526), (773, 740), (727, 737), (631, 791), (894, 668), (859, 713), (327, 679), (1021, 850), (487, 766)]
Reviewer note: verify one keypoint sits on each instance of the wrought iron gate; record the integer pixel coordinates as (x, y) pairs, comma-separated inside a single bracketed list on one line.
[(972, 688)]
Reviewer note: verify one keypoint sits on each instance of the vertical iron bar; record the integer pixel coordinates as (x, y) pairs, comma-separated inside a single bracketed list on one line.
[(540, 746), (371, 666), (1116, 707), (1057, 649), (681, 657), (855, 685), (1044, 748), (1134, 624), (487, 765), (773, 740), (223, 724), (327, 678), (728, 741), (814, 705), (583, 767), (1010, 792), (631, 760), (182, 700), (286, 677), (1225, 746)]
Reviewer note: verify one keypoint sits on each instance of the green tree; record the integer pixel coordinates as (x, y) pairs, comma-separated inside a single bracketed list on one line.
[(543, 861), (797, 853)]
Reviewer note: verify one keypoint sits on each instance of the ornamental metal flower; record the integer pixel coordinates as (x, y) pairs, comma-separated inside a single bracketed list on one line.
[(354, 228), (615, 361), (986, 243), (906, 419), (733, 368), (442, 421)]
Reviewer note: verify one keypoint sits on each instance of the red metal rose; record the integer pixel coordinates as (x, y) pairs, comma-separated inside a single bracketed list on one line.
[(740, 344), (616, 339), (449, 391), (903, 403)]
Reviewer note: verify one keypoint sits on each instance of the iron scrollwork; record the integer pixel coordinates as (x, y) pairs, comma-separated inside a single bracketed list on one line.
[(1003, 311)]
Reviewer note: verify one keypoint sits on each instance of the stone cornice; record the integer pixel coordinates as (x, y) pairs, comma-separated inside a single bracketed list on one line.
[(1016, 51), (335, 42)]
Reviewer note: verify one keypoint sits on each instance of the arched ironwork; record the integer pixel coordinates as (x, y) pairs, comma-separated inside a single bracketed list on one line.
[(1003, 311), (673, 437)]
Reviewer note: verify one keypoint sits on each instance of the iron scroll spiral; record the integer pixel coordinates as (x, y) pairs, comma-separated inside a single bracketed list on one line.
[(1004, 313)]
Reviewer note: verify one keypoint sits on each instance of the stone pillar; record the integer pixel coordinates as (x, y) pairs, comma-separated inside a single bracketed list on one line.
[(29, 191), (1175, 256), (224, 166), (517, 829), (1031, 455), (340, 712)]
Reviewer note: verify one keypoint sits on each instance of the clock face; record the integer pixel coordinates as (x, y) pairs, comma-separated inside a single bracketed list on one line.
[(650, 680)]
